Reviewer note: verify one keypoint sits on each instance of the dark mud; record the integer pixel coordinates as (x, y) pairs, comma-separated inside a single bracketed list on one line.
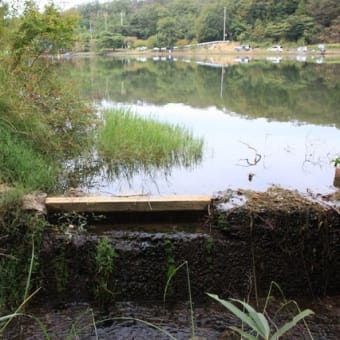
[(211, 322)]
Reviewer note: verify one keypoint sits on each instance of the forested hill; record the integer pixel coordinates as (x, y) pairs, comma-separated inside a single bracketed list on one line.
[(172, 22)]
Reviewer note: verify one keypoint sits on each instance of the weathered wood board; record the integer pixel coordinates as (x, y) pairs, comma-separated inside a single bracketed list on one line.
[(126, 204)]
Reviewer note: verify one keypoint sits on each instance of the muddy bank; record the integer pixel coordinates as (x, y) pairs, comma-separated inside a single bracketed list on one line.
[(211, 321), (248, 240)]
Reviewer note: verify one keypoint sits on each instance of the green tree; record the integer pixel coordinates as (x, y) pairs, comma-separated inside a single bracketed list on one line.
[(144, 22), (185, 14), (331, 33), (3, 25), (324, 11), (209, 25), (259, 31), (38, 33), (167, 33), (202, 20), (299, 27), (110, 40)]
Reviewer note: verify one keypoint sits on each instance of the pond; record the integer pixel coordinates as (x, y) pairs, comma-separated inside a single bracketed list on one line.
[(262, 123)]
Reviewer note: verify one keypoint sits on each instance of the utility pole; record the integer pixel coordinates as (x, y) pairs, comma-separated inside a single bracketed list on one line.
[(224, 22), (121, 18), (222, 78), (91, 30), (105, 20)]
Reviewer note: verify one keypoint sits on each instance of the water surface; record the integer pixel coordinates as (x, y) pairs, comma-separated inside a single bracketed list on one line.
[(263, 123)]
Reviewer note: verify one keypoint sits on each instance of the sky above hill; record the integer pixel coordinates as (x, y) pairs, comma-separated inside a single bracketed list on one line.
[(64, 4)]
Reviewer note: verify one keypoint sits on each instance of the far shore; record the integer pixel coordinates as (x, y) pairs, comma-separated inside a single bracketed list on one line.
[(224, 52)]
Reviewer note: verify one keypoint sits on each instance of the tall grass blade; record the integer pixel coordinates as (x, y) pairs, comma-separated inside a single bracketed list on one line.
[(6, 317), (41, 325), (287, 302), (94, 326), (304, 320), (243, 333), (285, 328), (190, 302), (192, 318), (26, 297), (273, 283), (16, 313), (167, 285), (74, 330), (28, 281)]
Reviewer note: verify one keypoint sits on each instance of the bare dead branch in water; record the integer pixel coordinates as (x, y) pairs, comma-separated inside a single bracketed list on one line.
[(257, 157)]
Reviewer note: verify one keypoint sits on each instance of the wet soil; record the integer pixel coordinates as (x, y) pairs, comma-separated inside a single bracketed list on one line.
[(127, 320)]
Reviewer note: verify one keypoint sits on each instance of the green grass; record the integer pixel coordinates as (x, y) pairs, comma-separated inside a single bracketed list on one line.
[(332, 46), (43, 123), (21, 165), (131, 140)]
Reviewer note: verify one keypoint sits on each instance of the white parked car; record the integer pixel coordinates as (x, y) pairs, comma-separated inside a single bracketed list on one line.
[(275, 48), (243, 48), (244, 60), (274, 60), (322, 48), (302, 49)]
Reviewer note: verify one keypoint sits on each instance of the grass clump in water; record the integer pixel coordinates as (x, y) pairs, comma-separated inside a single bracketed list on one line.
[(128, 139)]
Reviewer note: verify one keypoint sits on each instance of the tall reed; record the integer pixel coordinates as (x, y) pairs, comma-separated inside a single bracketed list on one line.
[(132, 140)]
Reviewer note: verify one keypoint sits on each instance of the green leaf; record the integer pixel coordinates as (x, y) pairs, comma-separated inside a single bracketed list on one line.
[(243, 334), (265, 325), (170, 278), (285, 328), (259, 319), (237, 312)]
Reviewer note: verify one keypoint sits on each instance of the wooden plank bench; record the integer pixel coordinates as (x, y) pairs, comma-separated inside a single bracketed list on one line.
[(128, 204)]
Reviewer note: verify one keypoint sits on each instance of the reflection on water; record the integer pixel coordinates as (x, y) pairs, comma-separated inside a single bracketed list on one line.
[(262, 123), (100, 175)]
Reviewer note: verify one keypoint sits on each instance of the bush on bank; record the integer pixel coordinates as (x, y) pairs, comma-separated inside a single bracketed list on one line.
[(43, 123)]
